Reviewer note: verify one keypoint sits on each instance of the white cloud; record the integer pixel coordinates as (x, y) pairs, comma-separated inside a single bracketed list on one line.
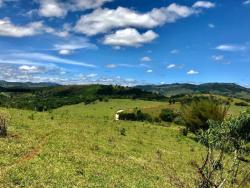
[(65, 52), (174, 51), (218, 57), (230, 48), (7, 28), (211, 25), (171, 66), (246, 2), (175, 66), (149, 71), (72, 44), (192, 72), (58, 8), (146, 59), (203, 4), (52, 8), (104, 20), (39, 57), (29, 69), (129, 37), (87, 4), (111, 66)]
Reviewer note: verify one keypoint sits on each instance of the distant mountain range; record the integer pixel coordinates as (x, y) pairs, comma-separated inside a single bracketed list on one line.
[(226, 89), (5, 84)]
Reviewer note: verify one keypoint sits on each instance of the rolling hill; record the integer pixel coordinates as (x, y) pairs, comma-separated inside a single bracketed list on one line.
[(226, 89)]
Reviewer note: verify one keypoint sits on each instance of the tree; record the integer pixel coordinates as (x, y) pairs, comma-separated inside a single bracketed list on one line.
[(200, 110), (225, 143)]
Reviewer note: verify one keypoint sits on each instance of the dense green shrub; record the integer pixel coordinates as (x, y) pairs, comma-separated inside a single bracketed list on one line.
[(179, 120), (4, 120), (137, 115), (167, 115), (199, 111), (241, 104), (184, 131), (143, 116)]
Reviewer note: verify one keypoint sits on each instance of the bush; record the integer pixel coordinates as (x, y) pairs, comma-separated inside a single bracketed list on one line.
[(127, 116), (199, 111), (179, 120), (143, 116), (123, 131), (167, 115), (138, 115), (241, 104), (184, 131), (4, 120), (229, 137)]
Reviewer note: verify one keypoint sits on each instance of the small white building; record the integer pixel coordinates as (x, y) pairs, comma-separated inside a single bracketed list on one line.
[(117, 115)]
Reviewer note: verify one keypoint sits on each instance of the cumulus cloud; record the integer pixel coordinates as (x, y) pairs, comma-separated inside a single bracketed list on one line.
[(27, 68), (103, 20), (203, 4), (129, 37), (28, 72), (7, 28), (146, 59), (52, 8), (87, 4), (230, 48), (59, 8), (192, 72)]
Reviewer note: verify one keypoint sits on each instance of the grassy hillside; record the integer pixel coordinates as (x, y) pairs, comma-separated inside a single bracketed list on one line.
[(46, 98), (82, 146), (226, 89)]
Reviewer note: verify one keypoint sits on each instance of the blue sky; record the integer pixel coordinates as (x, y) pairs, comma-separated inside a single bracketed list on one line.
[(125, 42)]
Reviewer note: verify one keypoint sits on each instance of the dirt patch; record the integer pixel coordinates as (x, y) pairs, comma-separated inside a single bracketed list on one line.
[(34, 152)]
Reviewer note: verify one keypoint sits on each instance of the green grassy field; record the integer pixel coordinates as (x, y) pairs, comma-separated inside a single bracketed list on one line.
[(81, 146)]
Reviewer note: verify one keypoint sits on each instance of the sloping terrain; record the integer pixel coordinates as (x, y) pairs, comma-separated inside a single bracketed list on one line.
[(82, 146), (226, 89), (47, 98)]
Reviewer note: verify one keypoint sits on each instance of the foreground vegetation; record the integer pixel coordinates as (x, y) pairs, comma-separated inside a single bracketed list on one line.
[(81, 145)]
